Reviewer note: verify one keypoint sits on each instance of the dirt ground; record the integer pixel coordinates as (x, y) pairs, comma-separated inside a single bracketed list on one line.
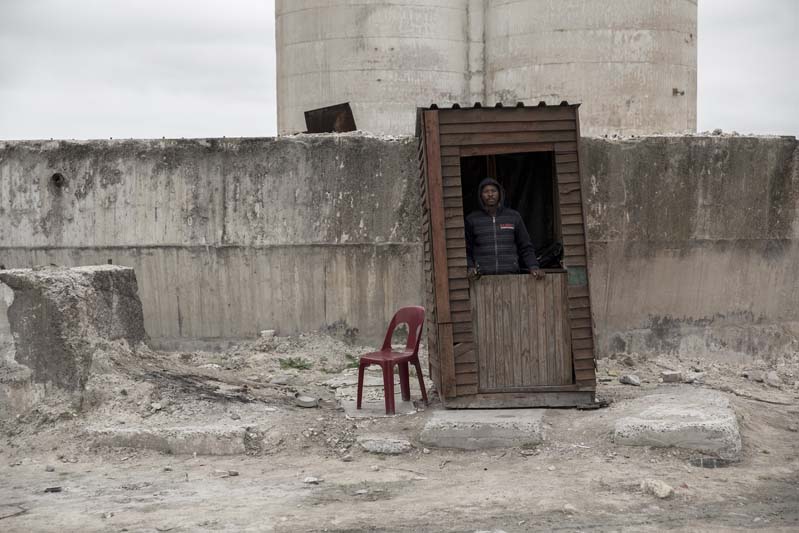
[(578, 480)]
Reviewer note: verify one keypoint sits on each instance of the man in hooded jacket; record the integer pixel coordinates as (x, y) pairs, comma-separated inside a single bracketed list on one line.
[(497, 241)]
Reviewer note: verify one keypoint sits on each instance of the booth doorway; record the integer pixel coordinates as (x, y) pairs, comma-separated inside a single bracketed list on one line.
[(520, 323), (528, 180)]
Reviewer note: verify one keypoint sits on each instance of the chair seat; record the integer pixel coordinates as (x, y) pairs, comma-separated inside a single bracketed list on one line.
[(382, 356)]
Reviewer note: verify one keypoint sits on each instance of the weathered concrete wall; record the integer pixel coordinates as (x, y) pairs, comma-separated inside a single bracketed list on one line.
[(692, 240), (694, 243), (227, 237)]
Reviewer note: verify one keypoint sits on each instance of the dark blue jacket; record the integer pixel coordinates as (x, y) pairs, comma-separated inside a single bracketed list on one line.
[(498, 244)]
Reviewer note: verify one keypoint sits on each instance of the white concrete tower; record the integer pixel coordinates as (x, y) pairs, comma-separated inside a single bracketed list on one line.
[(385, 57), (631, 63)]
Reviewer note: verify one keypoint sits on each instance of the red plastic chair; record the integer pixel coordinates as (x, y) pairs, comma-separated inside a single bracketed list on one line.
[(387, 358)]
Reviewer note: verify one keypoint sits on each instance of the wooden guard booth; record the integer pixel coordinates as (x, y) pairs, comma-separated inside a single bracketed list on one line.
[(510, 340)]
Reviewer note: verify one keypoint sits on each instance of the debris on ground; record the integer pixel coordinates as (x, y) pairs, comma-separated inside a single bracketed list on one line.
[(773, 379), (117, 450), (657, 488), (630, 379), (305, 401), (671, 376), (384, 445)]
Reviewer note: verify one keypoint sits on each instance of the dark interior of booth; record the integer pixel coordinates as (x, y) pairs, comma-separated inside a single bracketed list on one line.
[(528, 180)]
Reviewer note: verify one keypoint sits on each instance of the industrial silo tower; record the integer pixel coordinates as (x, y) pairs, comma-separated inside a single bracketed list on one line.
[(631, 63)]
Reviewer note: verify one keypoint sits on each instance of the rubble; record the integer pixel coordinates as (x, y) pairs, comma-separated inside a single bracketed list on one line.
[(657, 488), (755, 375), (694, 377), (772, 379), (53, 321), (305, 401), (670, 376), (384, 445), (630, 379), (276, 445)]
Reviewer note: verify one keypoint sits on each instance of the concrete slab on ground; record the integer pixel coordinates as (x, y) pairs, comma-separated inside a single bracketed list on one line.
[(474, 429), (685, 417), (204, 440)]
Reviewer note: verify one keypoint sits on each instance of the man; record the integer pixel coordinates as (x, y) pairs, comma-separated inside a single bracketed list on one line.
[(496, 238)]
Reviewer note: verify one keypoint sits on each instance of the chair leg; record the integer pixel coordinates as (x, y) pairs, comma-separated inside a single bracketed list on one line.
[(361, 367), (405, 385), (421, 380), (388, 387)]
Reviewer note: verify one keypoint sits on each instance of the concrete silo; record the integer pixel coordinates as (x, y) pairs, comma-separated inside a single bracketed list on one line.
[(632, 63), (383, 56)]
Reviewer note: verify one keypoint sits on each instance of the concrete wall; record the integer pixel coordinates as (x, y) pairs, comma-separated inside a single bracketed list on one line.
[(694, 243), (692, 240), (631, 63), (228, 237)]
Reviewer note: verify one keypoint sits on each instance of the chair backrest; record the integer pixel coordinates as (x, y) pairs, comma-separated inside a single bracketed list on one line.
[(413, 316)]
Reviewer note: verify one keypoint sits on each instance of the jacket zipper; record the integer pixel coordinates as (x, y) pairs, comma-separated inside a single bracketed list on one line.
[(496, 250)]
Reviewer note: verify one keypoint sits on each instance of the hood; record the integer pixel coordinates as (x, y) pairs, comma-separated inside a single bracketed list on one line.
[(495, 183)]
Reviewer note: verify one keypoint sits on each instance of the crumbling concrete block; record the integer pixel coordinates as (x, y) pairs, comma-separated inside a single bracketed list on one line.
[(690, 418), (52, 321), (184, 440)]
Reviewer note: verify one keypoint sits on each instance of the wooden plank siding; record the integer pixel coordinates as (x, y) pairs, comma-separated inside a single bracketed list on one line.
[(582, 327), (453, 343), (464, 353), (434, 365), (435, 198), (509, 127)]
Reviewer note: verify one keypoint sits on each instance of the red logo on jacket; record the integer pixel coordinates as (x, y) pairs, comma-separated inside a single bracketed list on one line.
[(507, 226)]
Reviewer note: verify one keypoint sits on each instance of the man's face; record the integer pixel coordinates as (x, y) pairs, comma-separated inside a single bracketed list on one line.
[(490, 196)]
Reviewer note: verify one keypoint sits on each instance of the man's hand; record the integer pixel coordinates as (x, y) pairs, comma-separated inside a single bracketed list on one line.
[(538, 273)]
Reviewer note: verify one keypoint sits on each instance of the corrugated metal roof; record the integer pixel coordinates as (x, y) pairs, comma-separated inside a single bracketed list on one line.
[(479, 105)]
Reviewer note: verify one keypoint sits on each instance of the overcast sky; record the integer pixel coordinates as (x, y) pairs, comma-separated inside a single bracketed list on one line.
[(206, 68)]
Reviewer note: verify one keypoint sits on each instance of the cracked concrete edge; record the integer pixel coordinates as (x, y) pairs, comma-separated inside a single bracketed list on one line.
[(177, 441), (483, 429), (720, 436)]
